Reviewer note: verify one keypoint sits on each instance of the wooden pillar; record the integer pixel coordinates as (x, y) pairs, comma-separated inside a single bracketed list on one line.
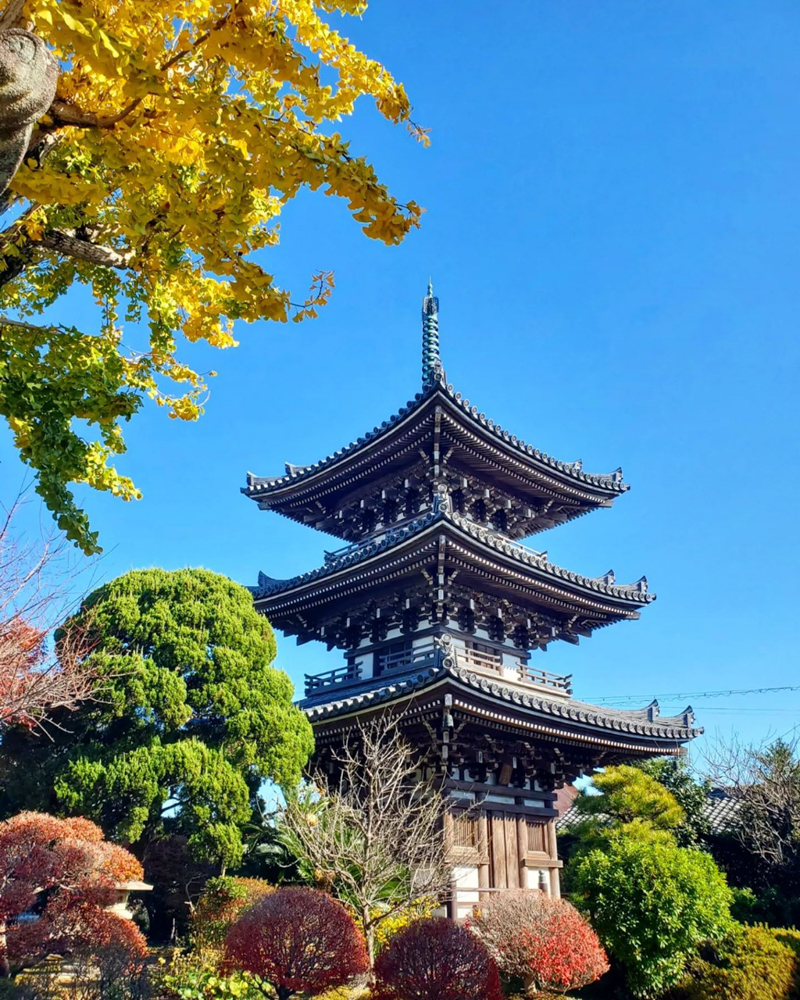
[(522, 851), (555, 877), (449, 836), (449, 843), (484, 868)]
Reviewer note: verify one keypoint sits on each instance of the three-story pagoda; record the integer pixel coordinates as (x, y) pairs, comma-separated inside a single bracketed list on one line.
[(441, 614)]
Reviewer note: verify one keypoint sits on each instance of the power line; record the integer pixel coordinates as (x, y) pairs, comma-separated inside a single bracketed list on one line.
[(739, 711), (689, 695)]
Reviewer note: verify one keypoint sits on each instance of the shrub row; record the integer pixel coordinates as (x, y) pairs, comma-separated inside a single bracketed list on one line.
[(300, 941), (751, 963)]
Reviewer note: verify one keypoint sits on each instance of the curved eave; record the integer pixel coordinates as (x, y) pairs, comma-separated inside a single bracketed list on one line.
[(509, 706), (615, 601), (594, 487)]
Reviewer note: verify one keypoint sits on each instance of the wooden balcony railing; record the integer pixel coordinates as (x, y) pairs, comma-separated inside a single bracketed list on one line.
[(427, 656), (543, 678), (493, 663), (476, 658), (422, 656), (339, 675)]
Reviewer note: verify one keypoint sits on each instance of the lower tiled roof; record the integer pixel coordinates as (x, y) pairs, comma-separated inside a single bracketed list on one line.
[(325, 705)]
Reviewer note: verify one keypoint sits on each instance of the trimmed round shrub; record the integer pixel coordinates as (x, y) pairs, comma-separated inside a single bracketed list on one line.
[(652, 905), (790, 937), (542, 941), (299, 941), (222, 901), (751, 964), (436, 960)]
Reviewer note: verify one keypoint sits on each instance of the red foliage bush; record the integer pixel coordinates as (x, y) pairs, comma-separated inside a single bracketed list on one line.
[(67, 869), (436, 960), (565, 954), (299, 941), (544, 941)]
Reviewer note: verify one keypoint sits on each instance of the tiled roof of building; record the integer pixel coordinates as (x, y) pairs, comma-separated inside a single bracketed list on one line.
[(720, 811), (637, 592), (610, 482), (644, 722)]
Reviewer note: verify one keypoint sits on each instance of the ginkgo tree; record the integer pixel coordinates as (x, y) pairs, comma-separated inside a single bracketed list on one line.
[(156, 178)]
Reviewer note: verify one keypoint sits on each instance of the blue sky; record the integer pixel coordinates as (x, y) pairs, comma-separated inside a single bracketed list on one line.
[(612, 228)]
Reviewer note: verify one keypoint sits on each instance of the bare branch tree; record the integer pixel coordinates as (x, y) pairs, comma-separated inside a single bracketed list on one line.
[(765, 782), (37, 597), (373, 834)]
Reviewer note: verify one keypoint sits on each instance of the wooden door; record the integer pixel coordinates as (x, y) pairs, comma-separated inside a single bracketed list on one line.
[(504, 861)]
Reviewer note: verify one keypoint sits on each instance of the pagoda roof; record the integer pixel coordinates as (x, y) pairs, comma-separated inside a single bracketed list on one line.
[(438, 436), (561, 588), (644, 728), (556, 477)]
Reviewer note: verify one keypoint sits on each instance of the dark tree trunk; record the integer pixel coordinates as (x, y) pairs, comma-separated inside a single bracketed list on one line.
[(28, 78)]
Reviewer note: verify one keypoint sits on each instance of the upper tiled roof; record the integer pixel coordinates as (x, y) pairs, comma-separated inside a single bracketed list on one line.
[(570, 471)]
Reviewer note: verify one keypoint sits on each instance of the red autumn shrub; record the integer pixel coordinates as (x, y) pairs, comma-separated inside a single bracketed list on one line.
[(64, 871), (436, 960), (299, 941), (543, 941)]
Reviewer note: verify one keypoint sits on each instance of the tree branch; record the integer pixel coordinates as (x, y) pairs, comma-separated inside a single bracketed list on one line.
[(36, 597), (375, 837), (12, 15), (67, 243), (64, 113), (19, 325)]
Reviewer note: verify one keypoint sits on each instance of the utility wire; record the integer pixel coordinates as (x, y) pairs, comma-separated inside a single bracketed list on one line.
[(681, 695)]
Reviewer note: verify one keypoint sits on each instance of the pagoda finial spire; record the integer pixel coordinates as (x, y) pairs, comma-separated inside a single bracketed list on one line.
[(432, 369)]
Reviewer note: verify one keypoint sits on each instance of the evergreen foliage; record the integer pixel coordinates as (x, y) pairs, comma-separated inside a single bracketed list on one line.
[(190, 719), (752, 963), (632, 803), (652, 904), (691, 795)]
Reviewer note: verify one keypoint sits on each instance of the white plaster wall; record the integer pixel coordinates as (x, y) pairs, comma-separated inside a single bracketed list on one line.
[(532, 878), (465, 878), (511, 664), (494, 797), (458, 793), (365, 662)]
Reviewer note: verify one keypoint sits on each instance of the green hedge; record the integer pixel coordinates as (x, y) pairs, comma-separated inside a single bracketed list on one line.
[(753, 963)]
